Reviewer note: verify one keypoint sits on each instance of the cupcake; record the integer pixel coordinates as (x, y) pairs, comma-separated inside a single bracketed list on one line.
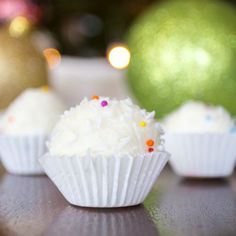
[(24, 128), (105, 153), (201, 139)]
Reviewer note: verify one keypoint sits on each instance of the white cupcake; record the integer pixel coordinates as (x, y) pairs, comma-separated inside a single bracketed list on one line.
[(24, 128), (105, 153), (201, 139)]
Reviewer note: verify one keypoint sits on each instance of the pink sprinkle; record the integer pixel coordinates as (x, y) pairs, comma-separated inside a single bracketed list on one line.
[(104, 103)]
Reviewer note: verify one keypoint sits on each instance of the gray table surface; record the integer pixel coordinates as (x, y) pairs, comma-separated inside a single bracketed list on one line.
[(33, 206)]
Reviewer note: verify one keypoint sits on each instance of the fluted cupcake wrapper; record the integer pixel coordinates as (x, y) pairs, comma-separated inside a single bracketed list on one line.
[(104, 181), (202, 155), (20, 155)]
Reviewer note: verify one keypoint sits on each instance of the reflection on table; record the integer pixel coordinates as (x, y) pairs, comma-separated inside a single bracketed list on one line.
[(33, 206)]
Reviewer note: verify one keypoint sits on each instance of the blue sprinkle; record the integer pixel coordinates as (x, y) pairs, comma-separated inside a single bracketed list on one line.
[(209, 118), (232, 130)]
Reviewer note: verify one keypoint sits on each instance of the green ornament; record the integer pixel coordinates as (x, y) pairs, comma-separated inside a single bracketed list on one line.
[(184, 50)]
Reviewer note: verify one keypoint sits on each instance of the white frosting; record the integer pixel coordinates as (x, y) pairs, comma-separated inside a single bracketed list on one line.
[(34, 112), (111, 130), (197, 117)]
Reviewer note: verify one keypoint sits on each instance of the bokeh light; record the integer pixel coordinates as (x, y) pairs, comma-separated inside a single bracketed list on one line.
[(118, 56), (53, 57), (19, 26)]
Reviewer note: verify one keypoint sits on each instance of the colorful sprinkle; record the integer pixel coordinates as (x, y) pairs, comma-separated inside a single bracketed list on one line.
[(11, 119), (142, 123), (150, 142), (104, 103), (208, 118), (45, 88), (95, 97), (150, 149), (232, 130)]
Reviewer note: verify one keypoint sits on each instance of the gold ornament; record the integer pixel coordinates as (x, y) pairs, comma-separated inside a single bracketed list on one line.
[(21, 65)]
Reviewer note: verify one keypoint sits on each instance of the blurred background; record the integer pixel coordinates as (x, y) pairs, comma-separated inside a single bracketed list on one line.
[(79, 27), (159, 52)]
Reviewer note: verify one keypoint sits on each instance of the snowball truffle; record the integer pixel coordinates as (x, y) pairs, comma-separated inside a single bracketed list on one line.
[(197, 117), (106, 127), (34, 112)]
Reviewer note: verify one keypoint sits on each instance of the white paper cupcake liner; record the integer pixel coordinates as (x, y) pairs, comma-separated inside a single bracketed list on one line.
[(104, 182), (20, 155), (202, 155)]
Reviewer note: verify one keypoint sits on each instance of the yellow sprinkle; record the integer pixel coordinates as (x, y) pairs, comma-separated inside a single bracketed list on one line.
[(45, 88), (142, 123)]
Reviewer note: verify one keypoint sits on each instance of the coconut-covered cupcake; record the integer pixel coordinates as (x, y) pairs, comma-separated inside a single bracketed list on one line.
[(202, 140), (197, 117), (24, 127), (105, 153)]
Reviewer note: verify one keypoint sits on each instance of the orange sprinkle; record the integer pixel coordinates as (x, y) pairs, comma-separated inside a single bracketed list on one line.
[(150, 142), (95, 97), (45, 88), (150, 149)]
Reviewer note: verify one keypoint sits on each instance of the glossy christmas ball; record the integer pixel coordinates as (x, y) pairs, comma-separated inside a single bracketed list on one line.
[(184, 50), (21, 65)]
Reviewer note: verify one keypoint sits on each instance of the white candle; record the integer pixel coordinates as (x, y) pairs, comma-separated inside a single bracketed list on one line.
[(76, 78)]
